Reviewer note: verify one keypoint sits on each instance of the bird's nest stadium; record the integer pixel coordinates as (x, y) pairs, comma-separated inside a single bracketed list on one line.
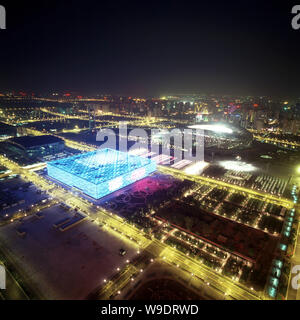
[(224, 135)]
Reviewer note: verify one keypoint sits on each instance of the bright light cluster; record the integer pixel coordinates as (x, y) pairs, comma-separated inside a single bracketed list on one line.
[(196, 168), (212, 127), (237, 166), (100, 172)]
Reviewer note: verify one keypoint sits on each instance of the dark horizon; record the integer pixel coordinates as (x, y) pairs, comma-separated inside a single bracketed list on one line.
[(152, 49)]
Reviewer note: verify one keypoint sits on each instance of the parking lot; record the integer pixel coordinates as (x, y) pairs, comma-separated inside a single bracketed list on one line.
[(17, 194), (64, 265)]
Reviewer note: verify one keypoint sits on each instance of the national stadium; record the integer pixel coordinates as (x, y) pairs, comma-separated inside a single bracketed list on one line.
[(100, 172), (218, 135), (224, 135)]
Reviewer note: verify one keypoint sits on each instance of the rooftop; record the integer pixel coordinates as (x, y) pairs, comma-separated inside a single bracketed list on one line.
[(100, 165), (32, 141)]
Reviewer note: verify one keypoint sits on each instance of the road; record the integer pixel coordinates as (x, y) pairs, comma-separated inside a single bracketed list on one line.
[(177, 173), (122, 228), (276, 141)]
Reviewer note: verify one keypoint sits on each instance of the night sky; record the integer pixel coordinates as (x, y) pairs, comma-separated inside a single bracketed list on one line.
[(151, 48)]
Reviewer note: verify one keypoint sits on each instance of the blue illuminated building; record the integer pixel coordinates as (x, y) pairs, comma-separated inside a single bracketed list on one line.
[(100, 172)]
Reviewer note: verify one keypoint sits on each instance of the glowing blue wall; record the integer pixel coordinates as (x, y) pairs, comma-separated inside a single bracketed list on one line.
[(104, 188)]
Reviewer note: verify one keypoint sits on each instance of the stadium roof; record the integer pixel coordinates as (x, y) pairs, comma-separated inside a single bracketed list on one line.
[(33, 141), (219, 128), (100, 165)]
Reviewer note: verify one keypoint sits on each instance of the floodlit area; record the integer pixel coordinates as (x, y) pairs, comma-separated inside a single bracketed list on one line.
[(64, 264), (196, 168), (212, 127), (237, 166)]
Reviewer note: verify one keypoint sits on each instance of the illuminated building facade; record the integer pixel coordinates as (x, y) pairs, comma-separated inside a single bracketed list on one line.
[(100, 172), (36, 146)]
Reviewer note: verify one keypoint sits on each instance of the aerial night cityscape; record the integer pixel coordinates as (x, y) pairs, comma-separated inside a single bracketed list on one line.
[(149, 151)]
